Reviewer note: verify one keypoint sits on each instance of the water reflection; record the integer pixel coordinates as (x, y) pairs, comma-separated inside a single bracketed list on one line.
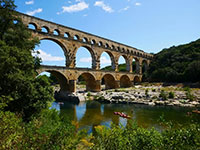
[(91, 113)]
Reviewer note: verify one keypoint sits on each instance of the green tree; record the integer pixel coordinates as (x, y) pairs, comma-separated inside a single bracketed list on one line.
[(20, 90), (176, 64), (53, 79), (192, 72)]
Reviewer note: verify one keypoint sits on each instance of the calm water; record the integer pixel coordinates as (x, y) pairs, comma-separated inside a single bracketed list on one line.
[(92, 113)]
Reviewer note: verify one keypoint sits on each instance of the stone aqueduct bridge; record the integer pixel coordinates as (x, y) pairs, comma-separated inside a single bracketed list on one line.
[(70, 40)]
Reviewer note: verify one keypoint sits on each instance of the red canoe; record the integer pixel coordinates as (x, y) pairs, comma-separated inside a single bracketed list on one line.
[(123, 115)]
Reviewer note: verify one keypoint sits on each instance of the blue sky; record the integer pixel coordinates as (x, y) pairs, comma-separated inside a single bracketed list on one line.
[(150, 25)]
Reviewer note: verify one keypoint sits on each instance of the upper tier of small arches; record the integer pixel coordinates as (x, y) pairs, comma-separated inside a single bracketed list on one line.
[(53, 29)]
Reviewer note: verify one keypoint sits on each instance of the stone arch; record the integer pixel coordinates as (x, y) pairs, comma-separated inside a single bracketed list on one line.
[(92, 53), (91, 84), (93, 42), (76, 37), (45, 28), (34, 25), (126, 62), (61, 45), (113, 47), (61, 78), (144, 65), (66, 35), (106, 45), (136, 79), (56, 32), (109, 80), (100, 44), (135, 65), (85, 40), (111, 58), (118, 49), (125, 81), (131, 51)]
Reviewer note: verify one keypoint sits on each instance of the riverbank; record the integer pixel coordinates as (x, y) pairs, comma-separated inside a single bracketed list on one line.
[(148, 94)]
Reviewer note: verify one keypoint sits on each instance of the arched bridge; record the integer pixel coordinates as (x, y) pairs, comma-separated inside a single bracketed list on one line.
[(67, 78), (70, 40)]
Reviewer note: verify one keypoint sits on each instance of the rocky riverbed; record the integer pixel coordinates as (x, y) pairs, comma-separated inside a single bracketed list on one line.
[(148, 95), (155, 94)]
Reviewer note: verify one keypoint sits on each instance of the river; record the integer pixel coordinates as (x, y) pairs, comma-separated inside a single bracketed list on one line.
[(91, 113)]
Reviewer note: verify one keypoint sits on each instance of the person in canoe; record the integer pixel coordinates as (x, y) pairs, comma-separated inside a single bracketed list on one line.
[(123, 115)]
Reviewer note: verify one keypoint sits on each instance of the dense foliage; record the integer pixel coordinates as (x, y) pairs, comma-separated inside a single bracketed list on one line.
[(134, 137), (47, 131), (50, 131), (177, 64), (20, 91)]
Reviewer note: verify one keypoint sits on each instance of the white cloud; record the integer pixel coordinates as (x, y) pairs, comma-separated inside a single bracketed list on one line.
[(85, 15), (105, 7), (74, 8), (29, 2), (124, 9), (31, 13), (86, 60), (138, 4), (104, 60), (48, 57)]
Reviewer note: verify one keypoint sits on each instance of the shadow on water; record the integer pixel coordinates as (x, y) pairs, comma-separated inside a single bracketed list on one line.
[(66, 97), (92, 113)]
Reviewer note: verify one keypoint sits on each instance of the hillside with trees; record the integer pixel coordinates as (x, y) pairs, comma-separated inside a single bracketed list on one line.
[(176, 64)]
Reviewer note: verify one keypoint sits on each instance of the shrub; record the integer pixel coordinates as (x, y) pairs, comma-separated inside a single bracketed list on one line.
[(134, 137), (188, 94), (171, 95), (88, 94), (50, 131), (11, 130), (124, 138), (153, 90), (163, 95), (183, 138)]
